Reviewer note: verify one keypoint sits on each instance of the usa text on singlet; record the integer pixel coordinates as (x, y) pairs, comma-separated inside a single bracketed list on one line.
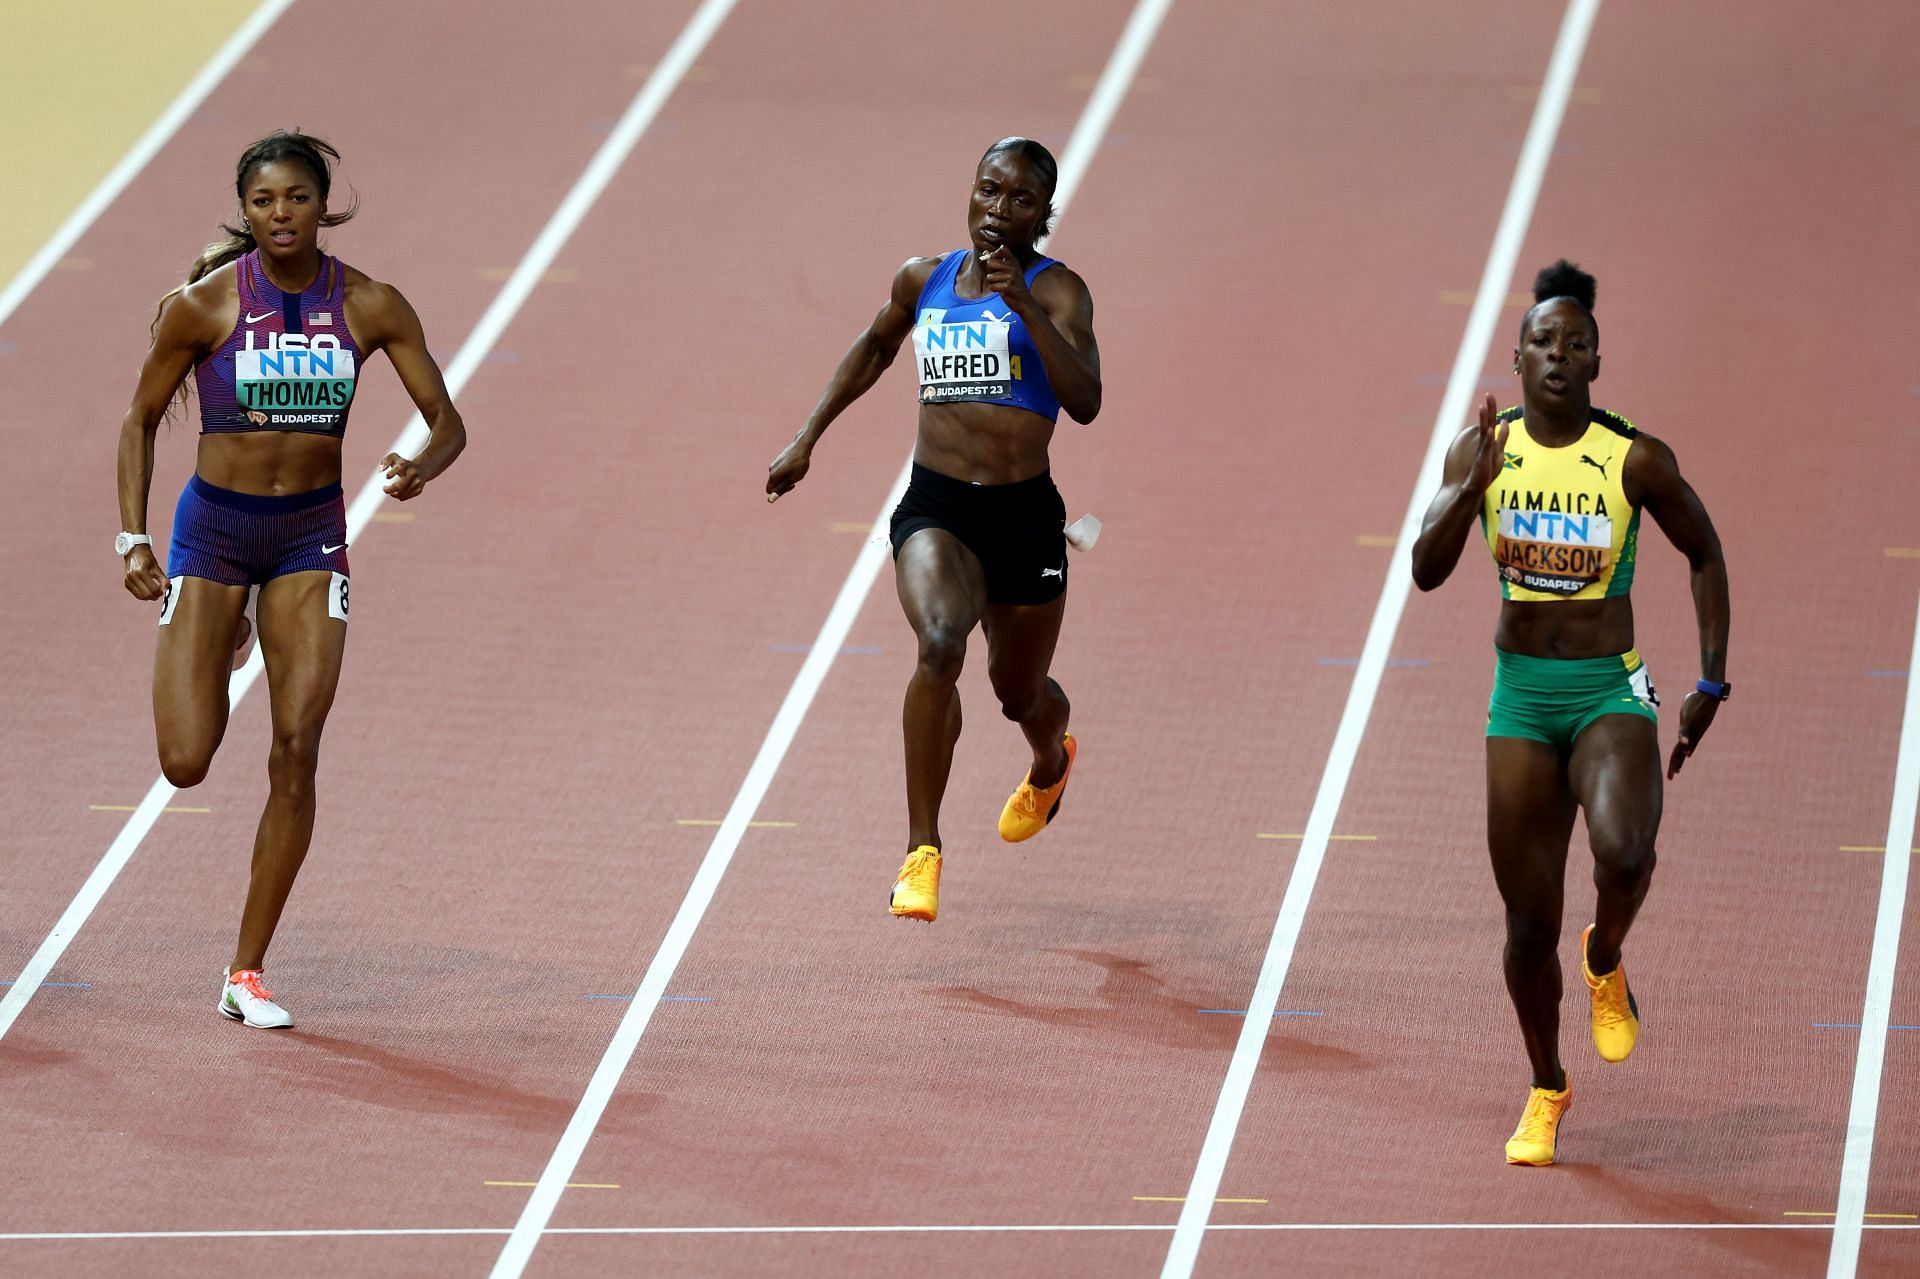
[(290, 363)]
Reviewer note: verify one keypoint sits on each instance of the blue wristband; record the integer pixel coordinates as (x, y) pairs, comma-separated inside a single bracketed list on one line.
[(1719, 692)]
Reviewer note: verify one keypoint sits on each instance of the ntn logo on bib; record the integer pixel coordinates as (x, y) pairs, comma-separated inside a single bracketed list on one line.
[(294, 374), (964, 361), (1552, 551)]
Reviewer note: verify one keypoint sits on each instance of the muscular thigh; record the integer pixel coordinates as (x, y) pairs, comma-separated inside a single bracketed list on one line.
[(1020, 642), (194, 653), (941, 583), (1615, 774), (303, 638), (1530, 812)]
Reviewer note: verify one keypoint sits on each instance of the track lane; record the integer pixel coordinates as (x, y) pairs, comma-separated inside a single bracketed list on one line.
[(1752, 818)]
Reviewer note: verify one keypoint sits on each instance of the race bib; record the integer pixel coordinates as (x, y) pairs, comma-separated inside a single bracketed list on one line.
[(966, 361), (1552, 552), (298, 383)]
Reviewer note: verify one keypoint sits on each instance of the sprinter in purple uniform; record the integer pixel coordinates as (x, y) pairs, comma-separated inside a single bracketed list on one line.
[(275, 333), (1002, 341)]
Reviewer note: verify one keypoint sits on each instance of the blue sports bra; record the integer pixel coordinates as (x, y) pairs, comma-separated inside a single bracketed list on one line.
[(975, 350)]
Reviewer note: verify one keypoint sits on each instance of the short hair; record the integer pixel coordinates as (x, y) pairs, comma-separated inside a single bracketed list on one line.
[(1563, 281)]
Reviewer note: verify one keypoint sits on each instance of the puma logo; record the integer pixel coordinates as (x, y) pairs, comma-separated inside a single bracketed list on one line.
[(1598, 466), (1060, 572)]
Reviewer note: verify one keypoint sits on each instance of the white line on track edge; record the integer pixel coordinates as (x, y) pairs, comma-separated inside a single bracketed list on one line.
[(158, 134), (545, 1197), (506, 304), (1863, 1113), (1528, 175)]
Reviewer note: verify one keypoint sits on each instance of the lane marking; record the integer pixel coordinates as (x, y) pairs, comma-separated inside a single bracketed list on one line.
[(128, 808), (1475, 344), (413, 436), (60, 985), (1335, 838), (1902, 552), (1180, 1199), (1376, 539), (571, 1185), (1278, 1012), (1863, 1112), (1867, 848), (1330, 1227), (1852, 1025), (848, 526), (874, 554), (716, 821), (1880, 1216), (1417, 663), (665, 999), (136, 159)]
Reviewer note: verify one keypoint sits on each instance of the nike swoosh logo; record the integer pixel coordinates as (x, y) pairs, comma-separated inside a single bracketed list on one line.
[(328, 550), (255, 319)]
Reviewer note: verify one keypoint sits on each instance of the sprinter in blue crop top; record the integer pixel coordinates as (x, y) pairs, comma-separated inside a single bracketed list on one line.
[(1002, 341)]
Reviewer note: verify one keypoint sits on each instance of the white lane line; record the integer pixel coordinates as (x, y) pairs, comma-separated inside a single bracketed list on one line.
[(143, 151), (874, 555), (1851, 1207), (1454, 410), (1019, 1228), (506, 304)]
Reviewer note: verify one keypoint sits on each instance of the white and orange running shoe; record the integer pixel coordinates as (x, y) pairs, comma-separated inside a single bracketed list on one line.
[(244, 999)]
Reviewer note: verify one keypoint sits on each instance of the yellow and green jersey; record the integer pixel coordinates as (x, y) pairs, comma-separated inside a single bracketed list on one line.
[(1557, 519)]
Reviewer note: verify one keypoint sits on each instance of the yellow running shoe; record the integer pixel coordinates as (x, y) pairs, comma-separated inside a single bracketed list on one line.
[(916, 890), (1616, 1018), (1029, 808), (1533, 1141)]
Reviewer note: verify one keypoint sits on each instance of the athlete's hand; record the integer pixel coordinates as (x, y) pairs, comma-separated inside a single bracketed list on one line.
[(145, 580), (403, 478), (788, 469), (1696, 716), (1005, 277), (1491, 454)]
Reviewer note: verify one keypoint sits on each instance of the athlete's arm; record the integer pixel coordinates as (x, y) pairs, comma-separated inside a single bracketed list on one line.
[(1058, 311), (1652, 480), (186, 330), (859, 369), (1473, 460), (390, 324)]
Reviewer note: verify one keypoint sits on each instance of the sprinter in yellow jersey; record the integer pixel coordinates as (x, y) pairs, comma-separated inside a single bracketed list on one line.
[(1557, 487)]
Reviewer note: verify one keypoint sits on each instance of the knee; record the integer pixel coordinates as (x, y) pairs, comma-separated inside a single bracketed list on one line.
[(1017, 704), (943, 650), (1532, 938), (184, 766), (293, 759), (1622, 863)]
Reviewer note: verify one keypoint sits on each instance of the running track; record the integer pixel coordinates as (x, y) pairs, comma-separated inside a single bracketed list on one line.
[(580, 636)]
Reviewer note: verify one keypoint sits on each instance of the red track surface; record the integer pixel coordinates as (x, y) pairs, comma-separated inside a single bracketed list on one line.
[(573, 643)]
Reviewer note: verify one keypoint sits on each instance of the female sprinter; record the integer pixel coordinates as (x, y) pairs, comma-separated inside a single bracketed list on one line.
[(1557, 487), (1003, 338), (276, 333)]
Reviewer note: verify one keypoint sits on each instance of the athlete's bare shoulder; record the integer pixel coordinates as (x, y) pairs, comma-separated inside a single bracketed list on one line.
[(201, 315), (377, 312), (911, 278)]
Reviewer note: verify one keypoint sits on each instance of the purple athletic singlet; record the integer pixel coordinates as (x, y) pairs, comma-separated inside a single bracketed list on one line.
[(289, 364)]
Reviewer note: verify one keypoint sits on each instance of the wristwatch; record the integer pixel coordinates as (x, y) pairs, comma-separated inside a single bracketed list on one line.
[(127, 541), (1719, 692)]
